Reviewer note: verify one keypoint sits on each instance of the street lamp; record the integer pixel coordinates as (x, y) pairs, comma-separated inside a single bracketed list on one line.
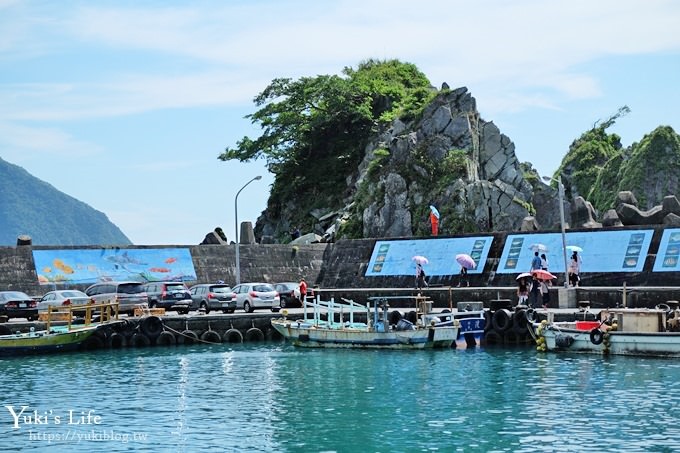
[(238, 264), (560, 191)]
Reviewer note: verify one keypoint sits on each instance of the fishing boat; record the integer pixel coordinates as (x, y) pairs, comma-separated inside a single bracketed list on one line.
[(339, 329), (619, 331), (66, 336)]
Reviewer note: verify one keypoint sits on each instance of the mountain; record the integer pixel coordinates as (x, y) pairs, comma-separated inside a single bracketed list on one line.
[(29, 206)]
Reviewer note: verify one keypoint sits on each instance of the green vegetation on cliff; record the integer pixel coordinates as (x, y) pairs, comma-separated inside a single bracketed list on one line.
[(315, 130)]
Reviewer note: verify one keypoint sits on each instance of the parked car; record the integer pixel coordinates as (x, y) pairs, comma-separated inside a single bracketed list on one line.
[(250, 296), (213, 296), (290, 294), (128, 294), (169, 295), (62, 298), (15, 304)]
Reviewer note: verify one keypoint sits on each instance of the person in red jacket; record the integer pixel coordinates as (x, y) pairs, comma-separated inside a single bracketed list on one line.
[(435, 224), (303, 291)]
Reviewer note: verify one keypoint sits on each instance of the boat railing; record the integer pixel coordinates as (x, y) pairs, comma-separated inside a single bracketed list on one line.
[(331, 307), (102, 312)]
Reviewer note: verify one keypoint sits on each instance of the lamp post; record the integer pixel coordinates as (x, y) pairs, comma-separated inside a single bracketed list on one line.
[(238, 264), (560, 191)]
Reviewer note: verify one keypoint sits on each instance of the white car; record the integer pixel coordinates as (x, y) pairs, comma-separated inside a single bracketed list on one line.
[(250, 296), (62, 298)]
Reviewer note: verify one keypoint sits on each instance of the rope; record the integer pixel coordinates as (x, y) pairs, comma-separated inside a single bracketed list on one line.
[(189, 336)]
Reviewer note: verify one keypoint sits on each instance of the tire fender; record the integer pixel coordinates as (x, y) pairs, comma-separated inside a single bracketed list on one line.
[(210, 336), (233, 336), (254, 334), (151, 326), (596, 336), (139, 340), (187, 337), (166, 338)]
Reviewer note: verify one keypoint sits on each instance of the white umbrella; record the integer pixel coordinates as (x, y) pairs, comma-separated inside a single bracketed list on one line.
[(538, 248), (420, 259), (574, 248)]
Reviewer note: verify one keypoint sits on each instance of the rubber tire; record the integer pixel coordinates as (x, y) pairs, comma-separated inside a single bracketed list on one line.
[(233, 336), (205, 307), (93, 342), (283, 303), (187, 337), (519, 322), (166, 338), (247, 308), (502, 320), (139, 340), (493, 338), (488, 320), (596, 336), (254, 334), (210, 336), (151, 326), (116, 341)]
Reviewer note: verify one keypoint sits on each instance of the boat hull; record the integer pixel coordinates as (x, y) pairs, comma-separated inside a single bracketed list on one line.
[(43, 341), (657, 344), (306, 335)]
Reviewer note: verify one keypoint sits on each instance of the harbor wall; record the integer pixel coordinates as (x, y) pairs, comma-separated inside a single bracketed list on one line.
[(342, 267)]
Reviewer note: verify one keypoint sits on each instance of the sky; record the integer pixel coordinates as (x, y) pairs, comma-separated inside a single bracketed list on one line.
[(125, 105)]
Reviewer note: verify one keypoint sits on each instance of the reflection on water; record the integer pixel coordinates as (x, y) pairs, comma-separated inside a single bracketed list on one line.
[(273, 397)]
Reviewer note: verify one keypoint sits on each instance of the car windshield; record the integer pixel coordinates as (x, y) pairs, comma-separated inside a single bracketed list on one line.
[(130, 288), (220, 289), (263, 288)]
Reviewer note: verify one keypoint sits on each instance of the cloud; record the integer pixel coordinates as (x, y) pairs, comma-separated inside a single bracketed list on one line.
[(19, 142)]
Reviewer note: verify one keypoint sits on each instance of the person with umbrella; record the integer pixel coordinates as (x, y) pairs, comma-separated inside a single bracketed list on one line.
[(466, 262), (574, 269), (420, 276), (523, 288)]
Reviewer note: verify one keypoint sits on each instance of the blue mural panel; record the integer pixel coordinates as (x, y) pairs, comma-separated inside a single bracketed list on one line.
[(603, 251), (668, 258), (391, 258), (87, 266)]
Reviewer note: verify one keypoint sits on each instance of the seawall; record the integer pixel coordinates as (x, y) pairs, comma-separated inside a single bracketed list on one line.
[(344, 265)]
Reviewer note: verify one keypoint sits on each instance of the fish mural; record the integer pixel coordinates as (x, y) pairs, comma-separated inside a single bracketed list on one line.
[(88, 266)]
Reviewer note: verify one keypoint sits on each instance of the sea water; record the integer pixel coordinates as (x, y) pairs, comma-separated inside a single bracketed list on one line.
[(273, 397)]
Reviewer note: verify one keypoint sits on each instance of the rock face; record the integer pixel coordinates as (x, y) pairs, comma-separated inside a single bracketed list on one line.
[(484, 186)]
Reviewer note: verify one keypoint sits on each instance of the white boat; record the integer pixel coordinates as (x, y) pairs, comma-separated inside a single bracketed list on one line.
[(378, 333), (621, 331)]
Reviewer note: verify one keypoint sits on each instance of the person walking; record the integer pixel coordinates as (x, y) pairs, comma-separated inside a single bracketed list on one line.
[(535, 262), (545, 293), (303, 291), (463, 277), (420, 276), (544, 262)]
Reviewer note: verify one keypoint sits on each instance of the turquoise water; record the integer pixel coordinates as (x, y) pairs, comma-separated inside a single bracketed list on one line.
[(273, 397)]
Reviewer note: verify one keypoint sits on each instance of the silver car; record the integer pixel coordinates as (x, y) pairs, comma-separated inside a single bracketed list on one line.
[(62, 298), (250, 296)]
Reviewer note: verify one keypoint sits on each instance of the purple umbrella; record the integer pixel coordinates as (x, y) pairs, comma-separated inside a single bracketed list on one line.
[(466, 261)]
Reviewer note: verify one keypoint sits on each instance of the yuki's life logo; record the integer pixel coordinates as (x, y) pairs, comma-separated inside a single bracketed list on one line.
[(25, 416)]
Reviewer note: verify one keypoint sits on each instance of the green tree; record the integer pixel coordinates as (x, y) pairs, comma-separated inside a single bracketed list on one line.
[(315, 129)]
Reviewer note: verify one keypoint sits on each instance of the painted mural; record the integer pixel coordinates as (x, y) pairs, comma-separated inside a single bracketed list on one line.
[(391, 258), (88, 266), (602, 251)]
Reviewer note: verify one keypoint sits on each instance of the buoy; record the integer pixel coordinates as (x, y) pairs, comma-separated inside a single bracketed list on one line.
[(254, 334), (233, 336)]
